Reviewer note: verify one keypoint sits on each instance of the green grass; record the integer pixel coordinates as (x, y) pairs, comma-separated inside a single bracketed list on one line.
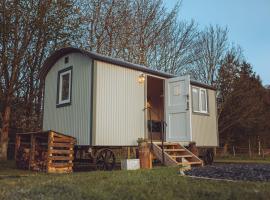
[(159, 183), (242, 159)]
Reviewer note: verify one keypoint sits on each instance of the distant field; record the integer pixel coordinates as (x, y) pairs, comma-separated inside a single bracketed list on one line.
[(242, 159), (159, 183)]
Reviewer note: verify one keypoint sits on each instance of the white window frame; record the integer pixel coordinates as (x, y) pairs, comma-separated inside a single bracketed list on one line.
[(198, 89), (200, 100), (206, 101), (61, 74)]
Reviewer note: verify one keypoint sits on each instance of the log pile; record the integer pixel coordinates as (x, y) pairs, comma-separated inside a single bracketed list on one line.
[(23, 155), (44, 151), (40, 160)]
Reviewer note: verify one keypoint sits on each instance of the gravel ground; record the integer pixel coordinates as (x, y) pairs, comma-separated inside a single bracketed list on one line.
[(246, 172)]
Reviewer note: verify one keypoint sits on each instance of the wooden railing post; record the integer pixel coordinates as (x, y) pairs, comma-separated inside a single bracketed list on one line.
[(162, 141), (151, 128)]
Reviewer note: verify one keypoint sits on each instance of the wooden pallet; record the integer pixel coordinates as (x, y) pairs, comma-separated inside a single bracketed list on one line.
[(45, 151), (60, 153), (175, 155)]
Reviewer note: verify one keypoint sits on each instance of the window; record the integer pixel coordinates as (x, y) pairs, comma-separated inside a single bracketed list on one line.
[(195, 98), (64, 87), (203, 101), (199, 100)]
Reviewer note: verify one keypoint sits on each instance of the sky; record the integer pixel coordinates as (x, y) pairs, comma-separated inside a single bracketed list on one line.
[(248, 22)]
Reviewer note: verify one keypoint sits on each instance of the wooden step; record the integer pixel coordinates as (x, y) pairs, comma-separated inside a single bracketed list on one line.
[(174, 150), (190, 163), (181, 156), (171, 153), (167, 144)]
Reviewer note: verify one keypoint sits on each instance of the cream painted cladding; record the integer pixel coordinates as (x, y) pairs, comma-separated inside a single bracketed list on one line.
[(118, 105), (73, 120), (204, 127)]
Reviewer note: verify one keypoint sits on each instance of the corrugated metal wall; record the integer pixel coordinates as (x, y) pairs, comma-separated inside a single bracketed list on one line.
[(119, 104), (204, 127), (72, 120)]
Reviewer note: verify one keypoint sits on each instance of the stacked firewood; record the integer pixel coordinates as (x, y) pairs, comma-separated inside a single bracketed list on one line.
[(22, 158), (39, 162)]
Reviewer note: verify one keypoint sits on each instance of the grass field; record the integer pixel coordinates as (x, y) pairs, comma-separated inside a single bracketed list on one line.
[(242, 159), (159, 183)]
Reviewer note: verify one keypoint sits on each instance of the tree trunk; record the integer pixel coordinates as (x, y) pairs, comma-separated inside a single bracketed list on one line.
[(4, 134)]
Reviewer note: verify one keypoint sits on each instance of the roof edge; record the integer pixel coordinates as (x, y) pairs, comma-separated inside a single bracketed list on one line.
[(52, 59), (199, 84)]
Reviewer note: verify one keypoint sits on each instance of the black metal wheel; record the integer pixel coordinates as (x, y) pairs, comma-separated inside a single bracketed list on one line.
[(105, 159)]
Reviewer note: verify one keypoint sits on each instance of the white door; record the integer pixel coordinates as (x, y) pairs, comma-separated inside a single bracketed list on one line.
[(177, 109)]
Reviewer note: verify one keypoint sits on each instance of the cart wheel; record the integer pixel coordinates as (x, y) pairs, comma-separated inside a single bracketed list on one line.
[(105, 159)]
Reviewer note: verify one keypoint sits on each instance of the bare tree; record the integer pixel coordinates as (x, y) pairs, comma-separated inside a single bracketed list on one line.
[(211, 47), (175, 54), (126, 29), (29, 31)]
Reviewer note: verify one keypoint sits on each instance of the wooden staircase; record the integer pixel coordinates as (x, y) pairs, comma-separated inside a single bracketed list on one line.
[(175, 154)]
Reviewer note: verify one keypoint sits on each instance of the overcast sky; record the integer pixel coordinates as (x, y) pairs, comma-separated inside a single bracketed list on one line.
[(248, 22)]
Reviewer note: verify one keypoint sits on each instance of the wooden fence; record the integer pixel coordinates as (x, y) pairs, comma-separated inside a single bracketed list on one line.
[(243, 151)]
